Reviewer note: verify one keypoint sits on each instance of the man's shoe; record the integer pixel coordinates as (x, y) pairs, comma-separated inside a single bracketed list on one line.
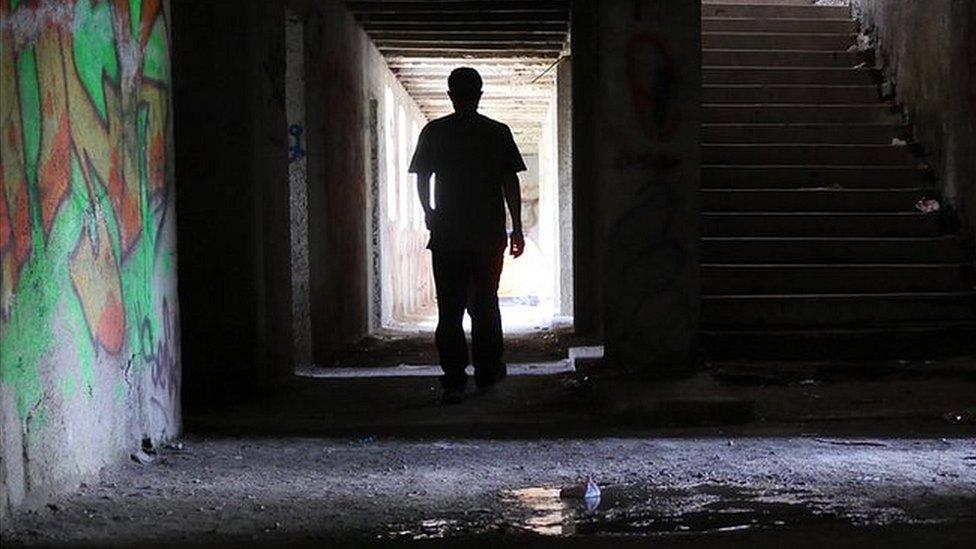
[(452, 396), (492, 379)]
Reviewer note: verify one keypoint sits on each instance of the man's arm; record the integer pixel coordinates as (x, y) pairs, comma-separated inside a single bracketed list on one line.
[(513, 197), (423, 189)]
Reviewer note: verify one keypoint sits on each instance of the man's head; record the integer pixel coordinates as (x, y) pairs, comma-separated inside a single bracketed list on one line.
[(464, 87)]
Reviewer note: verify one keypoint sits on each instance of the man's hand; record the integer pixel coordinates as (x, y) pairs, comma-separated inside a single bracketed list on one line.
[(517, 245), (429, 219)]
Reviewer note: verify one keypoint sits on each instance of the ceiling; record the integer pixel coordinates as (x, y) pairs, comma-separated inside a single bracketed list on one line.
[(512, 43)]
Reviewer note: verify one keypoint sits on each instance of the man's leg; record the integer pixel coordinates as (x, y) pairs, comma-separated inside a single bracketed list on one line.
[(451, 281), (486, 319)]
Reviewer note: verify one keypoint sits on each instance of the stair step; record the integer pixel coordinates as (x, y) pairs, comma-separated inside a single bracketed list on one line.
[(877, 113), (835, 309), (762, 2), (737, 249), (877, 224), (719, 279), (813, 200), (801, 153), (778, 41), (784, 58), (812, 245), (782, 25), (721, 176), (789, 94), (903, 341), (789, 75), (877, 134), (755, 9)]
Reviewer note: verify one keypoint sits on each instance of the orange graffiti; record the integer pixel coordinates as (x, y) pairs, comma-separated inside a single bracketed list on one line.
[(109, 128)]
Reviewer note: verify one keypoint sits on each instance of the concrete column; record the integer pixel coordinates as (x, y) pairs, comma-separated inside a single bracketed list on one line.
[(269, 181), (643, 125), (564, 155)]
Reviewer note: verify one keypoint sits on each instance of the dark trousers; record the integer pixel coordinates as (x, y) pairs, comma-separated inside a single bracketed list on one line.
[(468, 280)]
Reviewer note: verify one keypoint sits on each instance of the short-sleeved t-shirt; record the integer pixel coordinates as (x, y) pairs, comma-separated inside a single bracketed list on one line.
[(469, 154)]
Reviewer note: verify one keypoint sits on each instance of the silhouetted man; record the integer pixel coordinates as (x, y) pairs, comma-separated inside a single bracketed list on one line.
[(476, 164)]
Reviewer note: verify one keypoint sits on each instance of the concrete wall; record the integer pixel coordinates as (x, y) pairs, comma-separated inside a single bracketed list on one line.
[(348, 73), (928, 49), (548, 193), (397, 221), (556, 189), (637, 100), (244, 292), (89, 322), (295, 70), (337, 194)]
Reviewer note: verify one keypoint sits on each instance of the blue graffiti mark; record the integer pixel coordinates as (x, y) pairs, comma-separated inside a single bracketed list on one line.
[(295, 149)]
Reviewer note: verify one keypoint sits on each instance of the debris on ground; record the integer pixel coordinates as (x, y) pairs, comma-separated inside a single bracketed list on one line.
[(839, 442), (928, 205), (887, 89), (142, 457), (592, 496), (864, 41), (898, 142), (176, 446), (960, 418)]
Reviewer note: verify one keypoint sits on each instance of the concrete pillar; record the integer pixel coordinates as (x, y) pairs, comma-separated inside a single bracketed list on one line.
[(271, 197), (564, 154), (640, 80)]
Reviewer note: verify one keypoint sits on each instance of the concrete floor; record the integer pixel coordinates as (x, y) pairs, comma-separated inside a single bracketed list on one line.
[(677, 490), (819, 458)]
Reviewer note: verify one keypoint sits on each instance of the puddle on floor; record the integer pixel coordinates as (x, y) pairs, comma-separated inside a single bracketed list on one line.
[(635, 510)]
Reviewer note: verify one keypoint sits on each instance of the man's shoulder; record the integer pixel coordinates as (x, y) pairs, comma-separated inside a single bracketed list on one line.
[(436, 123), (493, 124)]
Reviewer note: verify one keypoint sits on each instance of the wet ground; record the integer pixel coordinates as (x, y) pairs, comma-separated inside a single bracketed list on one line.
[(676, 491)]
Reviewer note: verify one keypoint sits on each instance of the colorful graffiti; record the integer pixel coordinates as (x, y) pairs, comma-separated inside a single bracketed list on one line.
[(85, 261)]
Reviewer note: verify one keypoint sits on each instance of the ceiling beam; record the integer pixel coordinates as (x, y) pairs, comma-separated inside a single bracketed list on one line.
[(478, 6), (441, 45), (444, 35), (471, 53), (512, 43), (534, 16), (499, 27)]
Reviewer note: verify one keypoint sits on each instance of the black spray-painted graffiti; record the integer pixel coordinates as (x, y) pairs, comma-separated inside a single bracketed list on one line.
[(295, 150), (647, 245), (162, 360)]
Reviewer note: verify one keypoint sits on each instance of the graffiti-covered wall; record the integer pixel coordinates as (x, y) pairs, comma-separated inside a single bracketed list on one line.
[(89, 350)]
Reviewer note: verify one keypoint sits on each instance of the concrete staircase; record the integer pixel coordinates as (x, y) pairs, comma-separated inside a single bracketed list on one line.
[(812, 245)]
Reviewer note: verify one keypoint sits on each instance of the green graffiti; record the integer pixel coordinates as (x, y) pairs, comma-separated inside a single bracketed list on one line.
[(135, 16), (88, 292), (137, 274), (95, 50), (154, 63)]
